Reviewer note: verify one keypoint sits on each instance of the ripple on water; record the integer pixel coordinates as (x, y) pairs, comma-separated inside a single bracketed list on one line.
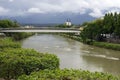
[(91, 48), (57, 46), (104, 56), (67, 49), (46, 47), (86, 51), (113, 58)]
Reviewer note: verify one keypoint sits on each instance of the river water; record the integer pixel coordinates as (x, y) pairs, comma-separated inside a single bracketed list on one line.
[(74, 54)]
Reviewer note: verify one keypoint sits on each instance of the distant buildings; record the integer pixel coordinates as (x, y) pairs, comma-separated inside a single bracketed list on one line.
[(28, 26), (68, 22), (81, 28), (2, 35)]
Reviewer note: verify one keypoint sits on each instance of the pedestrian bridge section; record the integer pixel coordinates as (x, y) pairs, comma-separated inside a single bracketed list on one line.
[(43, 30)]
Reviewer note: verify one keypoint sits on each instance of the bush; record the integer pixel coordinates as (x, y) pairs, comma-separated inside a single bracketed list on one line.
[(67, 75), (8, 43), (15, 62)]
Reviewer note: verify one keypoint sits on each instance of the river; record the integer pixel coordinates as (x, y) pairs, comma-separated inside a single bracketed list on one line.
[(74, 54)]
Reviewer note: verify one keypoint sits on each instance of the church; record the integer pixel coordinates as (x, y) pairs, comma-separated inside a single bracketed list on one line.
[(68, 22)]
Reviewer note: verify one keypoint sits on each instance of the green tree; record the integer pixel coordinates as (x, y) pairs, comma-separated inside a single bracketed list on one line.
[(108, 23), (8, 24), (117, 26), (85, 24), (93, 30)]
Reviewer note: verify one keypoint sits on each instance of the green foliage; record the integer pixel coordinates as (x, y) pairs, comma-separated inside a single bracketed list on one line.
[(15, 62), (93, 31), (110, 24), (19, 36), (107, 45), (13, 24), (63, 26), (8, 24), (71, 36), (85, 24), (8, 43), (117, 25), (66, 74)]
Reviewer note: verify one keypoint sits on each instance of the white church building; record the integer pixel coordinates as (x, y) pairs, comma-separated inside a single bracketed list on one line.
[(68, 22)]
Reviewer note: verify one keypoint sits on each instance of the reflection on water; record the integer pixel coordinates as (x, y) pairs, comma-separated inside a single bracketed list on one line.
[(76, 55)]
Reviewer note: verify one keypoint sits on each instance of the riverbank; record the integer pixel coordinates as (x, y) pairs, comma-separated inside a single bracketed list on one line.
[(28, 60), (106, 45), (19, 36)]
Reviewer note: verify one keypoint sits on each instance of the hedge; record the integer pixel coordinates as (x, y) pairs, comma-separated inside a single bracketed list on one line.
[(66, 74), (15, 62), (9, 43)]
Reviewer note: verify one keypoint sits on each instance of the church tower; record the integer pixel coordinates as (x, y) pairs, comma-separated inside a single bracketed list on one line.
[(68, 22)]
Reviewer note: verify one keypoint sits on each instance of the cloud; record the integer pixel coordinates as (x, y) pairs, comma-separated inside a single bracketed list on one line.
[(11, 0), (76, 6), (96, 13), (35, 10), (3, 11), (113, 10), (94, 8)]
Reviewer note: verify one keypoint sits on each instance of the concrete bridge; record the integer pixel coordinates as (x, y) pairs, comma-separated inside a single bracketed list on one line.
[(43, 30)]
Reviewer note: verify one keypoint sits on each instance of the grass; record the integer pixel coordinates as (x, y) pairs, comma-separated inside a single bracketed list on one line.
[(107, 45)]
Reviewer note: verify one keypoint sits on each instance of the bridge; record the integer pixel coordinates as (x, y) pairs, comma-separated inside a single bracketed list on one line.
[(43, 30)]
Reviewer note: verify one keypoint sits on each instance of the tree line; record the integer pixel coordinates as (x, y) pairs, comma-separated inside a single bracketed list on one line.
[(8, 23), (100, 28)]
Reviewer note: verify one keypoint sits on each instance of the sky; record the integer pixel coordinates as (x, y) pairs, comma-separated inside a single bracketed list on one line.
[(48, 9)]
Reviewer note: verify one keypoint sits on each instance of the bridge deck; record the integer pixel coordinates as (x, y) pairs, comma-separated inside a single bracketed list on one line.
[(43, 30)]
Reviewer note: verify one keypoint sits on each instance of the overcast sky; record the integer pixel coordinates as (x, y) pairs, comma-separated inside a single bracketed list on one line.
[(94, 8)]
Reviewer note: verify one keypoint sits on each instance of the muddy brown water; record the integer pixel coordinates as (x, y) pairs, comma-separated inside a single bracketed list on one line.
[(74, 54)]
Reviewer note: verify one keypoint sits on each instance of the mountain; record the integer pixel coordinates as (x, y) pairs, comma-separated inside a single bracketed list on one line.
[(52, 18)]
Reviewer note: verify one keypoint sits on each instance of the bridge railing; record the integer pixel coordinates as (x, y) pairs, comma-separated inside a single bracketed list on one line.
[(40, 28)]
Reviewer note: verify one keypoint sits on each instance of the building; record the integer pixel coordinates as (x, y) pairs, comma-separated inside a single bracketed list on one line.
[(81, 28), (2, 35), (28, 26), (68, 22)]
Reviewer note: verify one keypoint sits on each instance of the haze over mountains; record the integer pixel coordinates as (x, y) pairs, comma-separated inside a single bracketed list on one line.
[(56, 18)]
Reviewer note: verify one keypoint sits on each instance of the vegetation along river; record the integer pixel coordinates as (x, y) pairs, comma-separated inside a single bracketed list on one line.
[(74, 54)]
